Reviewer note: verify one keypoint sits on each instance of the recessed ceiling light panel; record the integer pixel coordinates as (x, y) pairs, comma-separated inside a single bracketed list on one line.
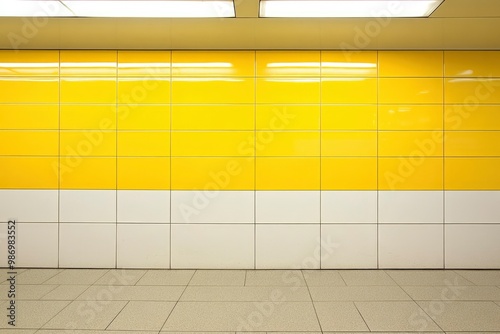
[(117, 8), (348, 8)]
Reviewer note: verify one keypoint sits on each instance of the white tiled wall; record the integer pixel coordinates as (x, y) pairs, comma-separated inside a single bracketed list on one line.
[(245, 229)]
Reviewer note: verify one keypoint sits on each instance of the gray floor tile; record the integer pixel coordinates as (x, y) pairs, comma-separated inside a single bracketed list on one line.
[(358, 293), (323, 278), (464, 316), (366, 277), (121, 277), (19, 331), (481, 277), (498, 303), (57, 331), (427, 277), (396, 316), (86, 315), (288, 278), (445, 293), (339, 316), (142, 316), (36, 276), (4, 276), (77, 276), (245, 294), (230, 316), (33, 314), (218, 277), (65, 292), (143, 293), (26, 292), (166, 277)]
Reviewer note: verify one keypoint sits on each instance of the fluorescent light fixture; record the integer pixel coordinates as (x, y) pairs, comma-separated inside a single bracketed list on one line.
[(117, 8), (348, 8)]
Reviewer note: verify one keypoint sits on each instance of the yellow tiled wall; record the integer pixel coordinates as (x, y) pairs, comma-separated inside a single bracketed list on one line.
[(245, 120)]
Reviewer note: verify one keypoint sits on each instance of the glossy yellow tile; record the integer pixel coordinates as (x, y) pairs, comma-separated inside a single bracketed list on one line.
[(89, 143), (143, 144), (408, 117), (29, 90), (213, 64), (349, 144), (348, 117), (29, 143), (213, 90), (472, 91), (287, 117), (88, 117), (288, 63), (211, 143), (472, 64), (349, 64), (143, 117), (144, 90), (29, 173), (88, 63), (472, 174), (349, 174), (30, 63), (88, 173), (143, 174), (410, 91), (282, 144), (88, 90), (473, 117), (410, 173), (288, 90), (287, 173), (213, 174), (29, 116), (144, 63), (410, 143), (410, 63), (472, 143), (213, 117), (349, 90)]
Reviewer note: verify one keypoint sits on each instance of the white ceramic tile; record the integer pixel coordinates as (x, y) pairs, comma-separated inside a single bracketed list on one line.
[(87, 206), (411, 246), (87, 245), (410, 206), (292, 246), (470, 246), (348, 207), (143, 246), (212, 206), (213, 246), (287, 207), (29, 205), (356, 246), (472, 206), (138, 206), (37, 245)]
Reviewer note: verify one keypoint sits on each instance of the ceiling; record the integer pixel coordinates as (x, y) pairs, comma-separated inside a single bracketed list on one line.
[(456, 24)]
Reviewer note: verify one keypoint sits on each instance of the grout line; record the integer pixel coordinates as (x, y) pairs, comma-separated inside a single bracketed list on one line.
[(320, 158), (254, 165), (359, 312), (116, 316), (170, 166), (312, 301), (173, 308), (116, 163)]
